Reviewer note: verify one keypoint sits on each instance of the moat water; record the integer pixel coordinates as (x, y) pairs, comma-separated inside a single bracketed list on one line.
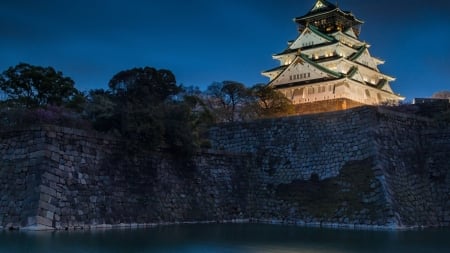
[(226, 238)]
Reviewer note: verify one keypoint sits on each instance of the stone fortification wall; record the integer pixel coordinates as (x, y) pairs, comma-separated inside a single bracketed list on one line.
[(392, 169), (20, 156), (315, 169), (413, 154), (295, 147), (63, 178), (361, 167)]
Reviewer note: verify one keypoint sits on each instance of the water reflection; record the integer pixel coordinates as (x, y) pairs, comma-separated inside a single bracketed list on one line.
[(229, 238)]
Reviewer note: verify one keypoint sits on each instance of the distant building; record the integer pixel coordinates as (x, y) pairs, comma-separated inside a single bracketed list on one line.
[(431, 101), (328, 63)]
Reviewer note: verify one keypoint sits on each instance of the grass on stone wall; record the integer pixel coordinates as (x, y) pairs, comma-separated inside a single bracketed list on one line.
[(334, 197)]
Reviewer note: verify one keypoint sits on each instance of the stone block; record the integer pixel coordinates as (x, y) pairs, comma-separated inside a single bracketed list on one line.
[(44, 221), (36, 154), (55, 157), (46, 198), (31, 221), (50, 215), (47, 190), (48, 207), (93, 199), (51, 134), (50, 177)]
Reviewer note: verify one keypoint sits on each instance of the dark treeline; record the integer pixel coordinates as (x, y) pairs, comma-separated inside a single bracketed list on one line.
[(145, 105)]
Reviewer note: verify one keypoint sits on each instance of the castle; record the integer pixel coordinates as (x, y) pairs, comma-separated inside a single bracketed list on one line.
[(329, 64)]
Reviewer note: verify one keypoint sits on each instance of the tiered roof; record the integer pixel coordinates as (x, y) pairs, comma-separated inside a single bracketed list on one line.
[(332, 49)]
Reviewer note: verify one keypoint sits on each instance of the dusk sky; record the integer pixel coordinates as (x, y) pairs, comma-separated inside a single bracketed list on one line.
[(202, 41)]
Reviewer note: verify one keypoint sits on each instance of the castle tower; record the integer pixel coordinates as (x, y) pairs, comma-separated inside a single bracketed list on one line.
[(328, 64)]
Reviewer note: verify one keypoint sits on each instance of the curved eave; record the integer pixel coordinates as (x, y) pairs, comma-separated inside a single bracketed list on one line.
[(379, 90), (320, 67), (355, 40), (312, 15), (308, 82), (356, 55), (353, 70), (274, 72), (304, 57), (284, 53), (389, 78), (381, 84), (378, 60), (359, 65), (334, 44)]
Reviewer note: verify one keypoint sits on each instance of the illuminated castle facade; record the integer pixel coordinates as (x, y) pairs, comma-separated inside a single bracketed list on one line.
[(328, 62)]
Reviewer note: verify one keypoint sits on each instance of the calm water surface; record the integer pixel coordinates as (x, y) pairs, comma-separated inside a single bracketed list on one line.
[(229, 238)]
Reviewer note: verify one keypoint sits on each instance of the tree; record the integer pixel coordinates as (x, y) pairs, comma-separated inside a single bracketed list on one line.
[(31, 86), (150, 84), (137, 94), (152, 110), (226, 99), (271, 103), (102, 111), (442, 94), (180, 133)]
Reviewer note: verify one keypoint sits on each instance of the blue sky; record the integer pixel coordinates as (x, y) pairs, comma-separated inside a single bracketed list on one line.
[(202, 41)]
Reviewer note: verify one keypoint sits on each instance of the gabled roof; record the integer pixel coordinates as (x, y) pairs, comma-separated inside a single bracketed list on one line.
[(357, 54), (350, 33), (323, 35), (353, 70), (381, 83), (320, 67), (310, 29), (347, 36), (361, 67), (323, 7), (333, 45), (299, 59)]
